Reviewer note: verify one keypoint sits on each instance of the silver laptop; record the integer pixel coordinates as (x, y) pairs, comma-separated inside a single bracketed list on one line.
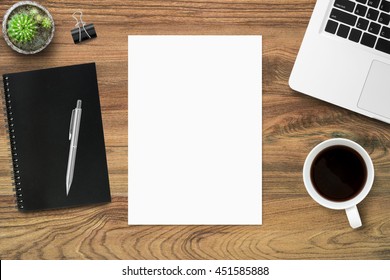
[(345, 56)]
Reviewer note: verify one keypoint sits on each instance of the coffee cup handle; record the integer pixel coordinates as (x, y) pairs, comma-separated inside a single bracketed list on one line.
[(353, 217)]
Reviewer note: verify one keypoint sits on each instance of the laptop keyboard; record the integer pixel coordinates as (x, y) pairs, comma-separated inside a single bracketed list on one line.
[(364, 22)]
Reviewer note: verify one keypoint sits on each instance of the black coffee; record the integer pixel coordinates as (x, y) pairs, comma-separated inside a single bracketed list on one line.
[(338, 173)]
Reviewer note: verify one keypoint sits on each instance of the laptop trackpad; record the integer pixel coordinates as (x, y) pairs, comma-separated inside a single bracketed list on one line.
[(375, 96)]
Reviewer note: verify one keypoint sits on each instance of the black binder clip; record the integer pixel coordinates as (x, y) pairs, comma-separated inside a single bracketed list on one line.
[(82, 31)]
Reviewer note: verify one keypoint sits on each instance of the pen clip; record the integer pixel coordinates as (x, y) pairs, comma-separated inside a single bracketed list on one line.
[(71, 124)]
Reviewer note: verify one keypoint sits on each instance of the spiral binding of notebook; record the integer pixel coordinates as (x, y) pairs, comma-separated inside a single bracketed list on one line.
[(12, 137)]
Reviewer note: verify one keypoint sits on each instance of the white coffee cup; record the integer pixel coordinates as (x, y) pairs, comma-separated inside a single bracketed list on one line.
[(349, 205)]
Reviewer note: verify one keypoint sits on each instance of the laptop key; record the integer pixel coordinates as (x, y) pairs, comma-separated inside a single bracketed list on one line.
[(383, 45), (372, 14), (355, 35), (373, 3), (343, 31), (362, 1), (331, 26), (360, 10), (362, 24), (368, 40), (374, 28), (345, 5), (385, 32), (385, 6), (343, 17), (384, 19)]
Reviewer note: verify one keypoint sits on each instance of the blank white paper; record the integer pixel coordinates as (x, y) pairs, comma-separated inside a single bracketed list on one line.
[(195, 123)]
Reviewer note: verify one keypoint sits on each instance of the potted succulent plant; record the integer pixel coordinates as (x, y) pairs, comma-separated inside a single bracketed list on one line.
[(28, 27)]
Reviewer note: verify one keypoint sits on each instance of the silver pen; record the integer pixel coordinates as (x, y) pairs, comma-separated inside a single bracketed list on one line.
[(73, 137)]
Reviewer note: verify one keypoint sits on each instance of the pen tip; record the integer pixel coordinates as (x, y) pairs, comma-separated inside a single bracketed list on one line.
[(78, 104)]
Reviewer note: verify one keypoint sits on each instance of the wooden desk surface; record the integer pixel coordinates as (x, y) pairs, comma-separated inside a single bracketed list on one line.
[(294, 226)]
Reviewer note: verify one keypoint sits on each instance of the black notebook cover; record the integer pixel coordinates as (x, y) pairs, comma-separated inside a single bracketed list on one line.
[(39, 107)]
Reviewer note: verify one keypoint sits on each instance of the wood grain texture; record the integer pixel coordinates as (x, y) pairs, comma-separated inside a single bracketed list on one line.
[(294, 226)]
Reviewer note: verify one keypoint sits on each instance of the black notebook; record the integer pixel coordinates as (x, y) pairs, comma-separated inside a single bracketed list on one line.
[(39, 110)]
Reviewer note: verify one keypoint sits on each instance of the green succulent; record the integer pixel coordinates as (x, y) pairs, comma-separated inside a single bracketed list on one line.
[(34, 11), (39, 18), (46, 23), (22, 28)]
